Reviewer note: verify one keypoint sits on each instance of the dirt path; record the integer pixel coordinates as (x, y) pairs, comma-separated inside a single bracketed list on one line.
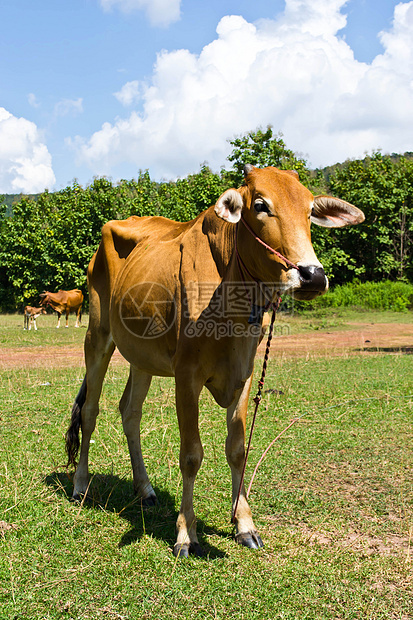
[(363, 338), (57, 357), (360, 338)]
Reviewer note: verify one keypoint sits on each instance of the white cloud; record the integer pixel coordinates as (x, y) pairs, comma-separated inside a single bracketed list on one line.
[(25, 162), (159, 12), (69, 107), (318, 17), (129, 93), (32, 99), (295, 72), (397, 42)]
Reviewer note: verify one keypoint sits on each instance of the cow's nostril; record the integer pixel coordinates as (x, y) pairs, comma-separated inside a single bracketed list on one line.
[(306, 272), (313, 277)]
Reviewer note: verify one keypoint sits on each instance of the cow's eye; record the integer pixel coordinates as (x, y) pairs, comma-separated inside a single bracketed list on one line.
[(261, 207)]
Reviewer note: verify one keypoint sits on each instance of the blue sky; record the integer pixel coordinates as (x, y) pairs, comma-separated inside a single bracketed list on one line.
[(109, 87)]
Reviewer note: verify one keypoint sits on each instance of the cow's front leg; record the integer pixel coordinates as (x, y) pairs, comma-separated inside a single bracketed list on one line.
[(246, 532), (58, 320), (67, 318), (77, 324), (190, 459)]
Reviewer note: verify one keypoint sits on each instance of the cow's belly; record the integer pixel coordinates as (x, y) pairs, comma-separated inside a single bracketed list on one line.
[(143, 317), (143, 339), (151, 359)]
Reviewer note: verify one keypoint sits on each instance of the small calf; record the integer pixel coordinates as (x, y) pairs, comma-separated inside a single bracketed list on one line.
[(30, 316)]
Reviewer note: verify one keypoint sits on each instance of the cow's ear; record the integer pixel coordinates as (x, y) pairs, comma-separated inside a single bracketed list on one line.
[(334, 213), (229, 206), (247, 169)]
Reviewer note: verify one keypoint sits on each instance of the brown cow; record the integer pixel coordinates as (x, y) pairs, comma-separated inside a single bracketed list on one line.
[(64, 302), (30, 316), (186, 300)]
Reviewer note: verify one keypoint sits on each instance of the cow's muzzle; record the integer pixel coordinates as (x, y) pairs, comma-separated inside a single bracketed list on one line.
[(313, 281)]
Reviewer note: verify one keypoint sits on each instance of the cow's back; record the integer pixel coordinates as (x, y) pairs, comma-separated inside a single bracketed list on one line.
[(73, 298)]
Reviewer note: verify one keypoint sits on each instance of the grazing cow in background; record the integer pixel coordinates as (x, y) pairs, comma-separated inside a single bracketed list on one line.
[(64, 302), (187, 300), (30, 316)]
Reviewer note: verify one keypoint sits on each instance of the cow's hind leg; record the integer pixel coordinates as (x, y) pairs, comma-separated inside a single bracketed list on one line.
[(97, 357), (246, 533), (131, 410), (190, 459), (58, 320)]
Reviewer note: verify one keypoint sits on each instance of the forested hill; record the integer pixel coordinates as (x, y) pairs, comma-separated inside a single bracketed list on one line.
[(50, 238), (329, 171), (326, 172)]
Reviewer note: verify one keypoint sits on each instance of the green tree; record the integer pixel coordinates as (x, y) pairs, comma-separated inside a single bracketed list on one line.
[(48, 243), (263, 148), (138, 197), (21, 251), (186, 198), (382, 186)]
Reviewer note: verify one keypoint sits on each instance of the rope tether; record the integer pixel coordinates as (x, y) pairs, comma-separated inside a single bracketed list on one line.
[(257, 400)]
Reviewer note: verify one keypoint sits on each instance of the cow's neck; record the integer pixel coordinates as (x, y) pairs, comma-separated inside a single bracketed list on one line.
[(221, 238), (235, 273)]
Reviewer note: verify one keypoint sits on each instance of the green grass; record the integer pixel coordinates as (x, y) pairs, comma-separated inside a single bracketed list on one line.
[(13, 335), (384, 295), (332, 500), (334, 319)]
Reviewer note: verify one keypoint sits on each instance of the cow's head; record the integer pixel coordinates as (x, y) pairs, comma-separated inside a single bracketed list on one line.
[(44, 298), (279, 209)]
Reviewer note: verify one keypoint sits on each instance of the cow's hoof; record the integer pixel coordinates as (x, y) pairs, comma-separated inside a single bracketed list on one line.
[(148, 502), (184, 550), (79, 498), (196, 549), (252, 540), (181, 550)]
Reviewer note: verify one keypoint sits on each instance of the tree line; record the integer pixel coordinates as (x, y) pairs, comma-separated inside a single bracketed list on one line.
[(47, 240)]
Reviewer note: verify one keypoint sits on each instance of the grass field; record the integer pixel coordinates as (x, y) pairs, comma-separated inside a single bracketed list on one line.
[(333, 499)]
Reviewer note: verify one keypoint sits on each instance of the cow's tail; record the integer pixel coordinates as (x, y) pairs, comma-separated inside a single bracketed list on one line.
[(72, 435)]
